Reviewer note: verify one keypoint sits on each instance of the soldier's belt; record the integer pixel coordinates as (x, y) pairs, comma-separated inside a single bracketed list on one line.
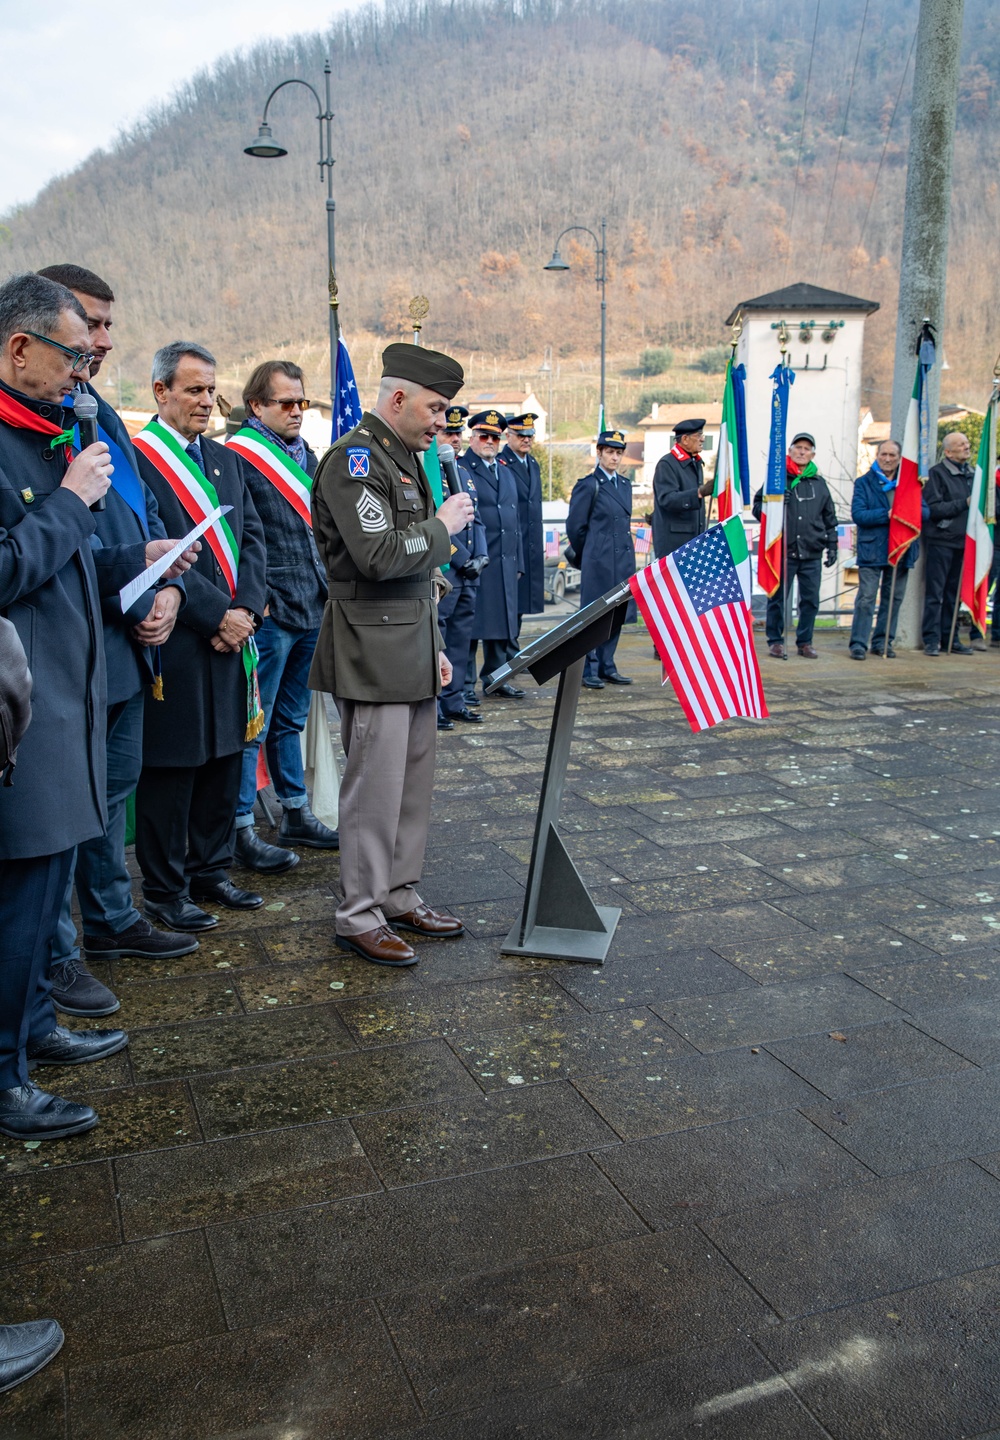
[(418, 587)]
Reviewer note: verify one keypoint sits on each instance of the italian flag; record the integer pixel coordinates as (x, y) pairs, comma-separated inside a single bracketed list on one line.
[(772, 525), (728, 488), (904, 517), (979, 532)]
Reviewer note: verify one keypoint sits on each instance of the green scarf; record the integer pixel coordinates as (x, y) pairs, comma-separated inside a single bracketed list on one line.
[(796, 473)]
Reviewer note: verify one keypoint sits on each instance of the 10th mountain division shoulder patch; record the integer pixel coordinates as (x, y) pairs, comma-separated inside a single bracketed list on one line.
[(358, 461), (370, 513)]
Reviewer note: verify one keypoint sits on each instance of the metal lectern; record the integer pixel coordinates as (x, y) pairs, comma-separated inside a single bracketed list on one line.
[(559, 920)]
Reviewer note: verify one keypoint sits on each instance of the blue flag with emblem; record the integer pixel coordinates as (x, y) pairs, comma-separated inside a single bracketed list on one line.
[(346, 401)]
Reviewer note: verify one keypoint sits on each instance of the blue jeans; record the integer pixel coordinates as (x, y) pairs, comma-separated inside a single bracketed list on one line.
[(103, 884), (869, 577), (283, 677)]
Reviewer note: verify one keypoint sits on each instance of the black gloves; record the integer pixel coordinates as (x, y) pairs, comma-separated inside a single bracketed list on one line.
[(831, 557)]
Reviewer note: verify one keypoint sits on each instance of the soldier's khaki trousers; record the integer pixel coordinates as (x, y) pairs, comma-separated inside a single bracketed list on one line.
[(385, 807)]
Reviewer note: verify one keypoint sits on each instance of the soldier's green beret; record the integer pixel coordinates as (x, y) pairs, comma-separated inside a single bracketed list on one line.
[(429, 368)]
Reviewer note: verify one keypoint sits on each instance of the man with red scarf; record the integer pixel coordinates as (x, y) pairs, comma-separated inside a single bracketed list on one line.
[(51, 584), (810, 528), (679, 490)]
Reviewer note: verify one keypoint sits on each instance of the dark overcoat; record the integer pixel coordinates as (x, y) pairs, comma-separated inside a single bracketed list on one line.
[(129, 665), (467, 545), (496, 603), (296, 577), (678, 509), (50, 591), (203, 713), (528, 476), (599, 528)]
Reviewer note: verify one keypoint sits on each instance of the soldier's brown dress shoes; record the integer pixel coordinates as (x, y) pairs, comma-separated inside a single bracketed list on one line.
[(426, 921), (381, 946)]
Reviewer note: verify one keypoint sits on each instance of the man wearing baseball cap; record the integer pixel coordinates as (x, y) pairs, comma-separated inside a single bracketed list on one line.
[(379, 651)]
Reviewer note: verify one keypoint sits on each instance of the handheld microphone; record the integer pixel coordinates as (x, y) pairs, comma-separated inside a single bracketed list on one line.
[(85, 409), (446, 455)]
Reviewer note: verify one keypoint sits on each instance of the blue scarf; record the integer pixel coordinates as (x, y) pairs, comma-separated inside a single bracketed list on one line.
[(296, 448), (887, 482), (124, 481)]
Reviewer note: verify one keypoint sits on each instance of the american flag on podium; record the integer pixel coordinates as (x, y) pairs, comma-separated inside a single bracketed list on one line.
[(696, 605), (643, 540)]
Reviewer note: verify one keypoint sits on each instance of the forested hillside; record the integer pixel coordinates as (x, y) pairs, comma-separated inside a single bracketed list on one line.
[(468, 134)]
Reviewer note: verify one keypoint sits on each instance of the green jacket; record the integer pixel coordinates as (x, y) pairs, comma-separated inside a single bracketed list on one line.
[(374, 527)]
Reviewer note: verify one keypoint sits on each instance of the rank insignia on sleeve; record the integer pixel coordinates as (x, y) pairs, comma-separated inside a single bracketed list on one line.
[(358, 461), (370, 513)]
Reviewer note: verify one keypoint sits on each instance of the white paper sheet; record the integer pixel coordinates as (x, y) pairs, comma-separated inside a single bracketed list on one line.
[(147, 578)]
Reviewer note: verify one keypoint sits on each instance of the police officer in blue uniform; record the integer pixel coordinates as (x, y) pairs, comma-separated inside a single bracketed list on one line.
[(457, 609), (679, 490), (599, 529), (496, 604), (524, 467)]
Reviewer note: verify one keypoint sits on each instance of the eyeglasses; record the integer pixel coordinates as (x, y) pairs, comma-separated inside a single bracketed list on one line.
[(289, 405), (80, 361)]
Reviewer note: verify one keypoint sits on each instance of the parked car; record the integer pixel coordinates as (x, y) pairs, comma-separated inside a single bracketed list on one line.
[(560, 576)]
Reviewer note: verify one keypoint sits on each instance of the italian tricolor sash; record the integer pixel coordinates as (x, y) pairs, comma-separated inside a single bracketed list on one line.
[(195, 492), (284, 473)]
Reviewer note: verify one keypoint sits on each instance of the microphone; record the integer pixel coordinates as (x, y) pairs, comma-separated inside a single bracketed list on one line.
[(446, 455), (85, 409)]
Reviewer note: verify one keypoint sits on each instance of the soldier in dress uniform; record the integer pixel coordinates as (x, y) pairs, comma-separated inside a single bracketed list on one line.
[(496, 606), (457, 609), (679, 488), (379, 651), (599, 529), (523, 466)]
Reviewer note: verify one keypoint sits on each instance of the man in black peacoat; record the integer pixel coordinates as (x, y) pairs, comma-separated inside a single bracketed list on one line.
[(496, 604), (523, 466), (679, 490), (193, 740)]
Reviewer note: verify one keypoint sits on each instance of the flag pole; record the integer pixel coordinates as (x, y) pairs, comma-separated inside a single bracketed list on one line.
[(786, 589), (888, 628)]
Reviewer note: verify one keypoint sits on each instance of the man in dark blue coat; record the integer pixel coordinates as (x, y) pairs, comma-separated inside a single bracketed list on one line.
[(496, 604), (113, 927), (870, 508), (51, 583), (274, 396), (523, 466), (679, 490), (192, 760), (946, 501), (599, 529), (457, 609)]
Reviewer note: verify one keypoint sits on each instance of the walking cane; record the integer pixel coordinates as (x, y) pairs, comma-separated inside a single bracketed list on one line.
[(888, 629)]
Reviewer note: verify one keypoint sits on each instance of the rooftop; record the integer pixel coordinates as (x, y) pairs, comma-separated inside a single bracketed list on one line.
[(802, 296)]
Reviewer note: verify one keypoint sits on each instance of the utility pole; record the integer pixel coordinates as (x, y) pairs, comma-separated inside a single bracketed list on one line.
[(924, 263)]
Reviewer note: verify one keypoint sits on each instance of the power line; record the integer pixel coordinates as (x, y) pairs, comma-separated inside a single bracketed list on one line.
[(885, 147), (843, 132), (802, 135)]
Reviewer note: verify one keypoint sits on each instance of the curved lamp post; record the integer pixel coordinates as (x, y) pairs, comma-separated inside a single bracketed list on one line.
[(266, 147), (601, 277)]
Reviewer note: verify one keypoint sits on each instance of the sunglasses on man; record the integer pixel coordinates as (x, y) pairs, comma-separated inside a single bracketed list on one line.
[(289, 405)]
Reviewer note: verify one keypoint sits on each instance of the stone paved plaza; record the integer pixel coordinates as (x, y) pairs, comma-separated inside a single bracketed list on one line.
[(742, 1183)]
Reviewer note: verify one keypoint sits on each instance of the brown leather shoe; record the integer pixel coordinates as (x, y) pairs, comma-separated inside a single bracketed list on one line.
[(777, 650), (380, 946), (807, 652), (426, 921)]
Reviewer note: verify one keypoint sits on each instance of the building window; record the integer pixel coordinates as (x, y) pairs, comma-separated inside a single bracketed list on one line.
[(708, 443)]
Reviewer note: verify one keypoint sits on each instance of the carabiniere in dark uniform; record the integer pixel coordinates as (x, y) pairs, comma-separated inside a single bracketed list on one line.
[(457, 609)]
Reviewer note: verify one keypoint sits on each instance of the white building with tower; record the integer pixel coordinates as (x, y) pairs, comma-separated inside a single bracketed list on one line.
[(825, 332)]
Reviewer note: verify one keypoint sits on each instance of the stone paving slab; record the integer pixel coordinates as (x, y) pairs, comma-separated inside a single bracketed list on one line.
[(497, 1196)]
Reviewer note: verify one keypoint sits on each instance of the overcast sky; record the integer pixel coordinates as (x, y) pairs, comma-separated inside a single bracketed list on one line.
[(74, 74)]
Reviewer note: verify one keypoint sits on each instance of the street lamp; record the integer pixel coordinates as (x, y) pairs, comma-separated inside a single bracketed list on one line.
[(266, 147), (601, 277)]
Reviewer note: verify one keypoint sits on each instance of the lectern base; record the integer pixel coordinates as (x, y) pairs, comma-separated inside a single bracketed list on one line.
[(588, 947)]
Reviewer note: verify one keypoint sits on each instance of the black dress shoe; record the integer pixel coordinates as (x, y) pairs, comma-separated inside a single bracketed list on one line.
[(28, 1113), (469, 716), (139, 940), (180, 914), (472, 700), (75, 1047), (26, 1349), (444, 723), (76, 992), (253, 853), (300, 827), (507, 692), (230, 895), (591, 682), (614, 678)]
